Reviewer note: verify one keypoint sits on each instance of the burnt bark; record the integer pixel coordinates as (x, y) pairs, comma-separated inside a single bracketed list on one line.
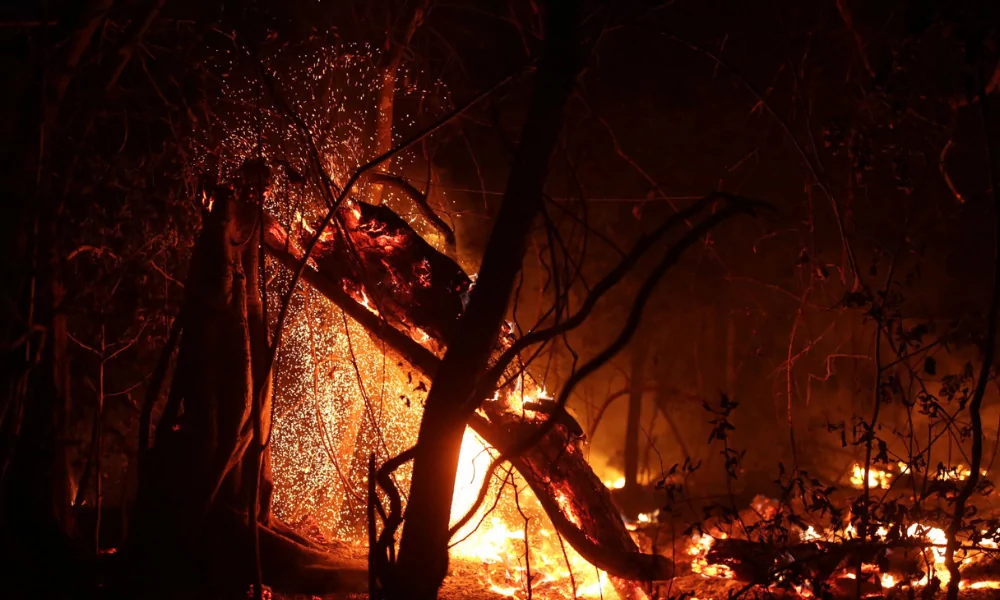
[(208, 459), (380, 262)]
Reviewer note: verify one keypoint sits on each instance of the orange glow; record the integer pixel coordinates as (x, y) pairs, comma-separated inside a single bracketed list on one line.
[(700, 545), (367, 304), (877, 478), (497, 540)]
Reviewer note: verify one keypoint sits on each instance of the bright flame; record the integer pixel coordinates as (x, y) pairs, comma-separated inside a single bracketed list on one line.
[(492, 540), (366, 303), (981, 585), (877, 478), (615, 484)]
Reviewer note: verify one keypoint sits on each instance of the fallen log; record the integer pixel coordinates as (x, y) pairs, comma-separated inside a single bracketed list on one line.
[(574, 498), (764, 563), (376, 258)]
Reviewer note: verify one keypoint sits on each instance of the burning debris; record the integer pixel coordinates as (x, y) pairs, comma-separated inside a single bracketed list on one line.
[(382, 264), (816, 560)]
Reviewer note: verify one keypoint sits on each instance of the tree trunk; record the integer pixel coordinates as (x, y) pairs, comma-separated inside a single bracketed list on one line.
[(423, 550), (387, 91), (554, 468), (204, 462), (637, 375)]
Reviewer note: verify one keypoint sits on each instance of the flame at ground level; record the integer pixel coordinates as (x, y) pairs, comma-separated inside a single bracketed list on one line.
[(512, 536), (932, 539)]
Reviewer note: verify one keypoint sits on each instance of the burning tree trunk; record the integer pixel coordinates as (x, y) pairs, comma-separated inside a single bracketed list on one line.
[(577, 503), (423, 549)]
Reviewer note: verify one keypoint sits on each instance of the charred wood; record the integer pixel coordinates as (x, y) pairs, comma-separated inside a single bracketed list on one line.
[(587, 517), (384, 265)]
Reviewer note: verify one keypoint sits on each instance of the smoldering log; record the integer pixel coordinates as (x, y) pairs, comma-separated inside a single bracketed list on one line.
[(574, 498), (377, 259), (759, 562)]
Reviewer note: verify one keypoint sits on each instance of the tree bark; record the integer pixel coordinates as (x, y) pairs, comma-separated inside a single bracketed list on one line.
[(640, 350), (387, 91), (208, 449), (423, 550)]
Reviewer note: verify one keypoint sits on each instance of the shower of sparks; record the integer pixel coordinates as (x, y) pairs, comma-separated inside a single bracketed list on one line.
[(339, 394)]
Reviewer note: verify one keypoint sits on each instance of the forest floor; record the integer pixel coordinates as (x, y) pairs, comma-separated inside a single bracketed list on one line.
[(465, 582)]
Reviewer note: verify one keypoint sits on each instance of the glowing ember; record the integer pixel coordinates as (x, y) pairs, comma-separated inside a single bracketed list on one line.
[(700, 545), (367, 304)]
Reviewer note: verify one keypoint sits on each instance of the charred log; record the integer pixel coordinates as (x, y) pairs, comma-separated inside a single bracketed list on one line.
[(764, 563), (378, 260), (578, 504)]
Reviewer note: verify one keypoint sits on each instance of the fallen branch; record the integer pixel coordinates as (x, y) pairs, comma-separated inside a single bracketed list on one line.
[(525, 443), (545, 468)]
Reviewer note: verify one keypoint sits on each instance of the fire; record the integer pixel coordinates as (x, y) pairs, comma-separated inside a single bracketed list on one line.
[(981, 585), (357, 403), (366, 303), (700, 545), (877, 478), (959, 472), (932, 539), (615, 484), (300, 221), (887, 580), (496, 538)]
